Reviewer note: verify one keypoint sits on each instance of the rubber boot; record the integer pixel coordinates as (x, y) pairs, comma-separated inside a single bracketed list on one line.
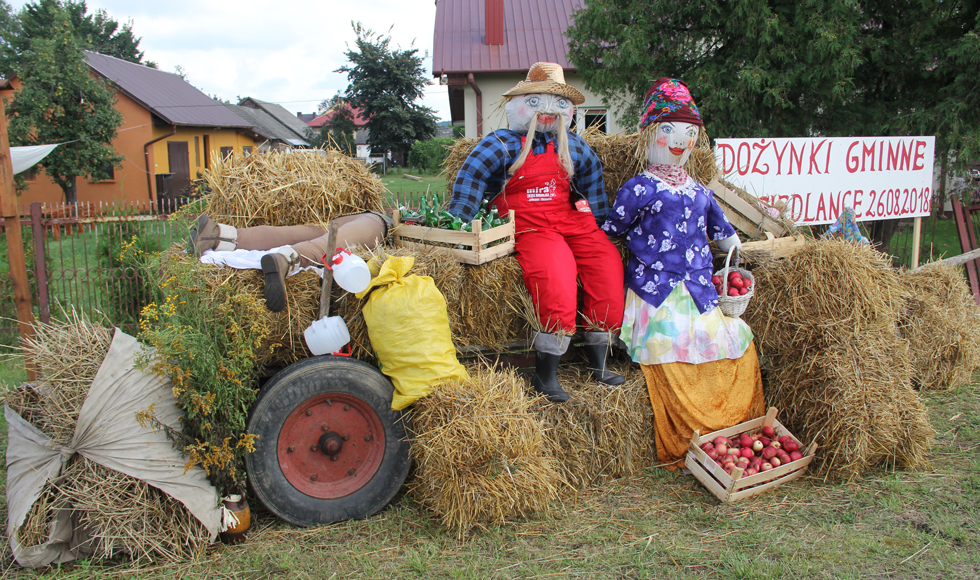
[(207, 234), (276, 266), (548, 349), (596, 348)]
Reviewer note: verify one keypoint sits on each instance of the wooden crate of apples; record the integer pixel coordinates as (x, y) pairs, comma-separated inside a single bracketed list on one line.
[(747, 459)]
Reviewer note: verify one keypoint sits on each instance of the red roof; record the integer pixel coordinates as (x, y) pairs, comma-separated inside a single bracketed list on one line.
[(320, 120), (533, 32)]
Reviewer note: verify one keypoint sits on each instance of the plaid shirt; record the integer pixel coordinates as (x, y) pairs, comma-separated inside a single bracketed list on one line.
[(485, 170)]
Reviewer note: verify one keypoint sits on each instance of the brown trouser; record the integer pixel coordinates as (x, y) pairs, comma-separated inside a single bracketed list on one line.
[(310, 242)]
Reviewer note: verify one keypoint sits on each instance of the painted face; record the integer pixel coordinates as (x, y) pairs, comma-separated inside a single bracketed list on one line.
[(673, 144), (522, 108)]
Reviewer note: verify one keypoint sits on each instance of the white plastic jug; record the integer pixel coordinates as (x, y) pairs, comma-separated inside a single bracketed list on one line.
[(327, 335), (350, 272)]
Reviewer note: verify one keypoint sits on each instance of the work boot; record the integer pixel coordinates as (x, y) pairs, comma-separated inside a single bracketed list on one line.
[(596, 348), (207, 234), (548, 349), (276, 266)]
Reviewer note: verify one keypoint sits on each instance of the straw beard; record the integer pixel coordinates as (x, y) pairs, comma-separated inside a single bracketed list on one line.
[(561, 144)]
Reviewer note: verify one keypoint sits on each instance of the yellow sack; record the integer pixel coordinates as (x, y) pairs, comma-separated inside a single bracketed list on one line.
[(408, 327)]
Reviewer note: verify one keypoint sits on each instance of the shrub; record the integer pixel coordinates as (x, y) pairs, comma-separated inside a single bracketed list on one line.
[(429, 155)]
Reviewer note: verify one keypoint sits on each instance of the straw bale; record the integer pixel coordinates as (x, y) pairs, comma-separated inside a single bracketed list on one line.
[(285, 344), (827, 326), (454, 160), (943, 322), (121, 514), (604, 431), (68, 354), (488, 304), (480, 452), (285, 189)]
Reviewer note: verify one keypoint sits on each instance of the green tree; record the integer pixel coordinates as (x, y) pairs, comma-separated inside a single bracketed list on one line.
[(792, 68), (96, 32), (61, 102), (385, 83), (429, 155)]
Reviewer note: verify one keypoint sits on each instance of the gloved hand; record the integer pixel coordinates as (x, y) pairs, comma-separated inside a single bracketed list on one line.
[(727, 243)]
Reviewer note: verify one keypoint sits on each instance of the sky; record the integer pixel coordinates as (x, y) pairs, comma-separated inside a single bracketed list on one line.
[(279, 51)]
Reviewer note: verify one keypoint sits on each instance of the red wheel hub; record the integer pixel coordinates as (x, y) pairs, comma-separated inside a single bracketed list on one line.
[(331, 445)]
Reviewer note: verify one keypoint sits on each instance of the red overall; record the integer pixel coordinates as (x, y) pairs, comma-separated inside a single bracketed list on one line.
[(555, 243)]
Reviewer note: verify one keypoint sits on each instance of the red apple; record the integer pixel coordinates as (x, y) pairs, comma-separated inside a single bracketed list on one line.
[(791, 446), (765, 467), (769, 452), (768, 431), (795, 455), (746, 452), (721, 448), (751, 471), (775, 462)]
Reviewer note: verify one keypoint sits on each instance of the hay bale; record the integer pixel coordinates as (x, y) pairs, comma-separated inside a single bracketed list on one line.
[(480, 452), (119, 513), (603, 432), (68, 355), (943, 323), (827, 326), (285, 189), (285, 343), (488, 303)]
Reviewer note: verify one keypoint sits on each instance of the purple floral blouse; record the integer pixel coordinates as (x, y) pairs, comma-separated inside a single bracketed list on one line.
[(667, 231)]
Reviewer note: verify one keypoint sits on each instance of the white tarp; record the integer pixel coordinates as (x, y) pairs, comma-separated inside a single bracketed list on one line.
[(23, 158), (107, 433)]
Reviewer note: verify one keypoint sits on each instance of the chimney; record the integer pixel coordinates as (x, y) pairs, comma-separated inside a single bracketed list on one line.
[(494, 19)]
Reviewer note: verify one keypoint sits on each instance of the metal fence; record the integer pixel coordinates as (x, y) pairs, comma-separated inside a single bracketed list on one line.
[(89, 257)]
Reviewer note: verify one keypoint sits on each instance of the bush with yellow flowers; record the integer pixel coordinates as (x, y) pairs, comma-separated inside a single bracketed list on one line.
[(205, 339)]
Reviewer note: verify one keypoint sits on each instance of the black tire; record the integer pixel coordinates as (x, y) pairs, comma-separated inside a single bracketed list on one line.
[(291, 472)]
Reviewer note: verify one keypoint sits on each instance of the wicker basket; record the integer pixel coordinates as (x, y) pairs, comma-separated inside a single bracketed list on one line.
[(734, 306)]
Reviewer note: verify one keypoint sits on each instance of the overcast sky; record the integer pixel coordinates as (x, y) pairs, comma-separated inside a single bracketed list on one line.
[(281, 51)]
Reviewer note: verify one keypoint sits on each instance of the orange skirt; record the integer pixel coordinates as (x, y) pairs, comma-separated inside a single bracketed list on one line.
[(706, 397)]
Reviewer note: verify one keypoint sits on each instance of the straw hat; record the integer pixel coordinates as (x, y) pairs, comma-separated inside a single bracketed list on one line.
[(548, 78)]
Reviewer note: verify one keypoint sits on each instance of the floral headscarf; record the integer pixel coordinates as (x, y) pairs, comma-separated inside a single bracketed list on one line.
[(669, 100)]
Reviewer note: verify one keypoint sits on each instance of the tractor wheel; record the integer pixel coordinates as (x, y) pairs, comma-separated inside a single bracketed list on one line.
[(329, 447)]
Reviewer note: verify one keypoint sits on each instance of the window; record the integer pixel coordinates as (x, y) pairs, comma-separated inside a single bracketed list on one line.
[(246, 150), (207, 152), (31, 174), (106, 173), (588, 118), (197, 151), (226, 152)]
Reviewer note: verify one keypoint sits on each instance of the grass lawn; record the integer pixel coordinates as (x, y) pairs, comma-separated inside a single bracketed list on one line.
[(400, 189), (889, 524)]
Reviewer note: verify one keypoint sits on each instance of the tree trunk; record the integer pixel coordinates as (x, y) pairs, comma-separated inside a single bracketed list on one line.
[(71, 192)]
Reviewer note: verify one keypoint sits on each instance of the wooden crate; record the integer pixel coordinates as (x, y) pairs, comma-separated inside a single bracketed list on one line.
[(427, 239), (772, 247), (730, 488)]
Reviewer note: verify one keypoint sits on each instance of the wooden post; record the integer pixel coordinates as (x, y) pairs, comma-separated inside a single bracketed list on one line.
[(327, 287), (916, 235), (15, 243)]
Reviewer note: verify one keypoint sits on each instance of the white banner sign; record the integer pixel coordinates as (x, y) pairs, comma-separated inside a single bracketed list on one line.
[(816, 178)]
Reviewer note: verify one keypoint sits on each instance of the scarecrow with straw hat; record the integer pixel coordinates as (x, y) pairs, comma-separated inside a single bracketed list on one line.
[(701, 366), (553, 181)]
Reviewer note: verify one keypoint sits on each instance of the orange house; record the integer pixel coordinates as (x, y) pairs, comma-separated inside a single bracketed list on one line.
[(171, 132)]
